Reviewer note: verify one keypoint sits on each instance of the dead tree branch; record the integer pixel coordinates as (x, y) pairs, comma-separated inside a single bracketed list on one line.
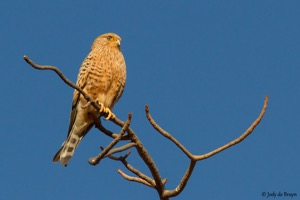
[(119, 149), (132, 178), (67, 81), (150, 182), (239, 139), (127, 134), (102, 129), (195, 158), (96, 160)]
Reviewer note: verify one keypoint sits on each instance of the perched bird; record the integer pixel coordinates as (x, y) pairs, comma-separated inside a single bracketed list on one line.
[(102, 76)]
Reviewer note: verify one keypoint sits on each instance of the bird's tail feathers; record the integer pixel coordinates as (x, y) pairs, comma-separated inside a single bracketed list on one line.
[(67, 150)]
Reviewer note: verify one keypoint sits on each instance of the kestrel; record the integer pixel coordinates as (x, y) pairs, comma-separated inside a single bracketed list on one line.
[(102, 76)]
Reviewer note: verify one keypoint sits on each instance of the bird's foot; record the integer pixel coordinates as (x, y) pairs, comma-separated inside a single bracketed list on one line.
[(106, 111)]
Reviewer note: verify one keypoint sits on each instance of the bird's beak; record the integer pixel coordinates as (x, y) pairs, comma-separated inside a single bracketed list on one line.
[(118, 42)]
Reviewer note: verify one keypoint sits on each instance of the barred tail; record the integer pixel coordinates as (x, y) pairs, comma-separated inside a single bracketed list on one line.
[(67, 150)]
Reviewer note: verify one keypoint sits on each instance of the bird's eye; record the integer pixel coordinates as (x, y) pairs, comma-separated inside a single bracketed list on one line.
[(109, 37)]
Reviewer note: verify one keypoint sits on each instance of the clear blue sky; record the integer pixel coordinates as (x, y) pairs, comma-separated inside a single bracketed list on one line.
[(204, 68)]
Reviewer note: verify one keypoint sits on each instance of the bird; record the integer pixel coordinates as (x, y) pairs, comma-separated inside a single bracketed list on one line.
[(102, 76)]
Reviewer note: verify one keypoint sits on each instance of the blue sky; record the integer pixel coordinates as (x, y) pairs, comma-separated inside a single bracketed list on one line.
[(204, 68)]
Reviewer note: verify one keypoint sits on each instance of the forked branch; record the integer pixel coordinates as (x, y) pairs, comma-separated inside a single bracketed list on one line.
[(214, 152), (156, 181), (96, 160), (195, 158)]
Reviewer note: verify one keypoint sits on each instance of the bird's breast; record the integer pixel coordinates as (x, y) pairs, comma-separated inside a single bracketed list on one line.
[(107, 76)]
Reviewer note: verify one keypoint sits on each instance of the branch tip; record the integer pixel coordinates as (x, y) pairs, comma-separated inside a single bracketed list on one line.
[(129, 115), (126, 155), (266, 100), (164, 181), (147, 108), (93, 161)]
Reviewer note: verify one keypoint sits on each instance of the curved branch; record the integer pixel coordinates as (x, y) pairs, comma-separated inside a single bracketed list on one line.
[(183, 182), (142, 176), (166, 134), (194, 158), (119, 149), (239, 139), (135, 179), (102, 129), (67, 81), (120, 158), (60, 74)]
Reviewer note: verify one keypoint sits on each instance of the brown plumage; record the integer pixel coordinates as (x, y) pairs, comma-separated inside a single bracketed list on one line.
[(102, 76)]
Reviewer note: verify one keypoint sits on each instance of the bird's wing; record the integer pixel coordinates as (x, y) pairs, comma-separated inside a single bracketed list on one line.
[(81, 82)]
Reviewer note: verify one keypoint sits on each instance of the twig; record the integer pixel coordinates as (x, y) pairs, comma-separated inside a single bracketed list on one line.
[(138, 173), (119, 158), (135, 179), (141, 175), (119, 149), (96, 160), (102, 129)]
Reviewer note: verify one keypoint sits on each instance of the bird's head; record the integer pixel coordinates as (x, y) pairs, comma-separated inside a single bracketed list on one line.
[(107, 39)]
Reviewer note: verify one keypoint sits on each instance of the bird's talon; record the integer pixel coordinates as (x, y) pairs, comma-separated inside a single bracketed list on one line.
[(102, 108), (108, 116)]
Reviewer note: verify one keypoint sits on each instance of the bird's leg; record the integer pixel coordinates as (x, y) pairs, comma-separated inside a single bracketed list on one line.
[(106, 110), (86, 105)]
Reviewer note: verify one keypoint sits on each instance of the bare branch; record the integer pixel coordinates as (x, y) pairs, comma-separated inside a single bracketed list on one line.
[(135, 179), (94, 103), (156, 182), (143, 153), (96, 160), (67, 81), (239, 139), (119, 149), (144, 177), (150, 164), (195, 158), (165, 133), (120, 158), (183, 182), (102, 129), (139, 146), (138, 173)]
